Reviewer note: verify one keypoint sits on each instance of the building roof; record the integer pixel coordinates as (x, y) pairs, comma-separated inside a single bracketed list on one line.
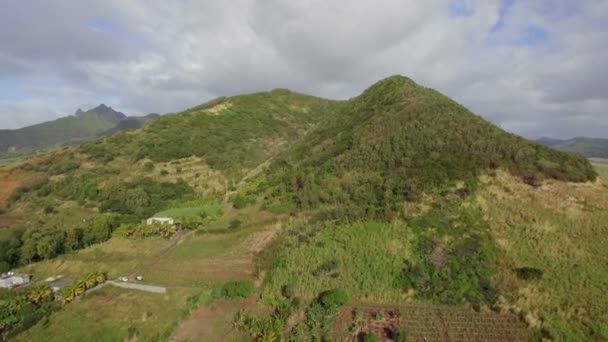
[(161, 218), (13, 274)]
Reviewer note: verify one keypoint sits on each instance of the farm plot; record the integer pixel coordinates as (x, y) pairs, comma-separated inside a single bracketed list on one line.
[(428, 323)]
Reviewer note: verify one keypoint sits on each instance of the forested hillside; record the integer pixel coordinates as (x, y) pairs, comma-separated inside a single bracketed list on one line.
[(397, 141)]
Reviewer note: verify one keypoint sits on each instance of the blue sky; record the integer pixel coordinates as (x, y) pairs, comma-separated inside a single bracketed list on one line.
[(529, 66)]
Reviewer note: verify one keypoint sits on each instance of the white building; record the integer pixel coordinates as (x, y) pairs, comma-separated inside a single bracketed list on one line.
[(160, 220), (11, 279)]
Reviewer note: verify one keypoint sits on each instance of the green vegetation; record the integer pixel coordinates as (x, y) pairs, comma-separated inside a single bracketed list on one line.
[(22, 310), (393, 197), (551, 246), (232, 134), (64, 130), (46, 241), (144, 230), (267, 329), (395, 142), (79, 287), (206, 210), (237, 289), (317, 322)]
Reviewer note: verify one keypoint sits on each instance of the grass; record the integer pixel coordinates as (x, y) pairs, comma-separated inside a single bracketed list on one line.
[(601, 166), (113, 314), (209, 210), (559, 229), (363, 258), (117, 256)]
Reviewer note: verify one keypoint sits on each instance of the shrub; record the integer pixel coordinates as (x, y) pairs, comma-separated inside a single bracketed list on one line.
[(288, 291), (371, 337), (164, 172), (234, 224), (241, 202), (398, 335), (333, 299), (528, 273), (326, 267), (148, 166), (237, 289)]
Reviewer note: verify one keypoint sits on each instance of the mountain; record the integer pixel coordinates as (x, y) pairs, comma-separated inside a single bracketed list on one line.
[(397, 198), (82, 125), (588, 147)]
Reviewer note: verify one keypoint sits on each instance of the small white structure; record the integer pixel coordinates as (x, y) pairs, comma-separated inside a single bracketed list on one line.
[(11, 279), (160, 220)]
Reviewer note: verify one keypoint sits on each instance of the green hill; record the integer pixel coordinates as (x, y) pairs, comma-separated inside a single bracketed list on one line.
[(588, 147), (399, 196), (98, 121), (398, 140), (233, 135)]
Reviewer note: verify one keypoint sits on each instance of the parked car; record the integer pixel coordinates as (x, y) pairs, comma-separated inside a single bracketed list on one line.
[(124, 279), (139, 278)]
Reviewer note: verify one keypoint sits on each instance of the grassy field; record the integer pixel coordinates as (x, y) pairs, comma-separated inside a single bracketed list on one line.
[(363, 258), (559, 229), (113, 314), (601, 166), (117, 256), (210, 210), (189, 265)]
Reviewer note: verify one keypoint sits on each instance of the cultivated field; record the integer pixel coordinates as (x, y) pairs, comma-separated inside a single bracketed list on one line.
[(428, 323)]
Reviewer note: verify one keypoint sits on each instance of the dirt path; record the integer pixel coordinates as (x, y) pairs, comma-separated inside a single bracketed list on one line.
[(258, 241), (178, 238), (213, 322)]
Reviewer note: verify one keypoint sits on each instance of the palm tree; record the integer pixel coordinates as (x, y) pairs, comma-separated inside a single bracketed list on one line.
[(100, 277), (79, 288), (39, 293), (67, 293), (16, 303), (90, 281)]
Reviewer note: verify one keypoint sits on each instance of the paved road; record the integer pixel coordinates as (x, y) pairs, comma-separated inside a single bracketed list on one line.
[(140, 287)]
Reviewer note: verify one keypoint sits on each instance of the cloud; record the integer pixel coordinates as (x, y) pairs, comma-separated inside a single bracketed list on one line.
[(533, 67)]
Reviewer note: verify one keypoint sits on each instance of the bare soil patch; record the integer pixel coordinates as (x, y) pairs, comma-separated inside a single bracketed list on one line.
[(258, 241), (213, 322)]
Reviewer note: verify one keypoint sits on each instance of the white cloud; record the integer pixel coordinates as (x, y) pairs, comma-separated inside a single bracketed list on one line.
[(165, 56)]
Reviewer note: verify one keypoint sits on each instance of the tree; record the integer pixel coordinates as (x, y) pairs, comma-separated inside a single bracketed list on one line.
[(90, 280), (68, 293), (39, 293), (16, 303), (79, 287), (100, 277)]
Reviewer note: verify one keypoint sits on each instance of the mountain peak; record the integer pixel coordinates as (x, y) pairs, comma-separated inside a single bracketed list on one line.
[(105, 112)]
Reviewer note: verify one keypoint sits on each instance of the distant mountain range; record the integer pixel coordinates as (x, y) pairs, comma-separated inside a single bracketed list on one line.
[(589, 147), (99, 121)]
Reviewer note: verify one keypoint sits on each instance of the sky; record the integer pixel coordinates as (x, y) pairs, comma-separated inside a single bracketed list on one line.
[(533, 67)]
